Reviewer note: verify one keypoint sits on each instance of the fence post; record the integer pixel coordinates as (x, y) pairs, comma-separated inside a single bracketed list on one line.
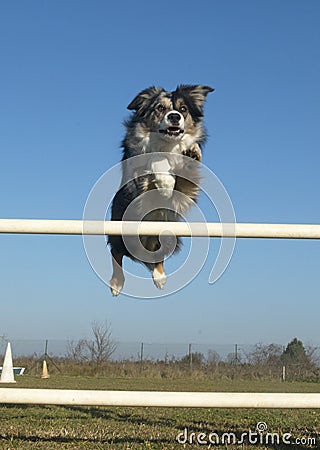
[(283, 373), (190, 356), (141, 357)]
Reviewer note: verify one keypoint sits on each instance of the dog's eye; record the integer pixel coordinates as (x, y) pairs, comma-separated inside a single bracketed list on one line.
[(183, 109), (160, 107)]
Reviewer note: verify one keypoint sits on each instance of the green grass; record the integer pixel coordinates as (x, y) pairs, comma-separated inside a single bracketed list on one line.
[(58, 427)]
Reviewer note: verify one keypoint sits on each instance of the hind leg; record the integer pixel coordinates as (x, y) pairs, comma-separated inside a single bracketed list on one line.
[(117, 280), (158, 275)]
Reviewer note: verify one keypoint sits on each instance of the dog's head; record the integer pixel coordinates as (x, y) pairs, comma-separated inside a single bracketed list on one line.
[(171, 114)]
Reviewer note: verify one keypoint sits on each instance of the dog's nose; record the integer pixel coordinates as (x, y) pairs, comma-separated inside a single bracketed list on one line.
[(174, 118)]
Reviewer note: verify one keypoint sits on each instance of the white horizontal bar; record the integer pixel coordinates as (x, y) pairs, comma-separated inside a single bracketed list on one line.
[(159, 399), (210, 229)]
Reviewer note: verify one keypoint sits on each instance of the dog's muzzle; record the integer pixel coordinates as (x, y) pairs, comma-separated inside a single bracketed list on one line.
[(173, 124)]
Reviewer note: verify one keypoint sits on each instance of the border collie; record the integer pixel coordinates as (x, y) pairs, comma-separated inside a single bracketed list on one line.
[(166, 127)]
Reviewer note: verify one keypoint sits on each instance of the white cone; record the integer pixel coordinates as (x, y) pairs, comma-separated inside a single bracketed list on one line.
[(7, 375)]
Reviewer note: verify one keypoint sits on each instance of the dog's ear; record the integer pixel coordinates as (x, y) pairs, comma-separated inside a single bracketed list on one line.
[(144, 99), (197, 92), (194, 96)]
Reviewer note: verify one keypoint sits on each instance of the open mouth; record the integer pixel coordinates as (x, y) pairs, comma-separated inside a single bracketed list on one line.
[(172, 131)]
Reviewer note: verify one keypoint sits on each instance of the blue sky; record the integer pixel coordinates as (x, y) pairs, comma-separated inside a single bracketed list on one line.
[(68, 71)]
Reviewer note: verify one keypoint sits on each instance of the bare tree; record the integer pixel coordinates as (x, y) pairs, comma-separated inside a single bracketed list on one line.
[(76, 350), (102, 346), (265, 355), (96, 351), (213, 358), (313, 355)]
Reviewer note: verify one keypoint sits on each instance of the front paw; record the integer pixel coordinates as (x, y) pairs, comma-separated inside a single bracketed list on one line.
[(193, 152)]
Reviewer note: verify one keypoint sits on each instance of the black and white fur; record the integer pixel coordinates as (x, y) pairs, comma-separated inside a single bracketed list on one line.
[(168, 124)]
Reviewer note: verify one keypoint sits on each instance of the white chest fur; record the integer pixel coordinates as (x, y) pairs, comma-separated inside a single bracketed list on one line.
[(163, 179)]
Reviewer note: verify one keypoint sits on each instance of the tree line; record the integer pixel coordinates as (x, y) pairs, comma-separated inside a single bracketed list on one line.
[(272, 361)]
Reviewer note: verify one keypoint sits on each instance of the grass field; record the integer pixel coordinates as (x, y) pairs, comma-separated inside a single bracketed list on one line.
[(60, 427)]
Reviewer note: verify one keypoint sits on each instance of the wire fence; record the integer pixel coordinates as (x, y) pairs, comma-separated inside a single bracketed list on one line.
[(156, 352), (133, 351)]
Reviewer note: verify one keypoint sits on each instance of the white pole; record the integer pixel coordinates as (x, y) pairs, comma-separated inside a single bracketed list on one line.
[(283, 373), (210, 229), (159, 399)]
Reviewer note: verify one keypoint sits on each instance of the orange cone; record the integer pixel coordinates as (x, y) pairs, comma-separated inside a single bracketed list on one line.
[(45, 373)]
